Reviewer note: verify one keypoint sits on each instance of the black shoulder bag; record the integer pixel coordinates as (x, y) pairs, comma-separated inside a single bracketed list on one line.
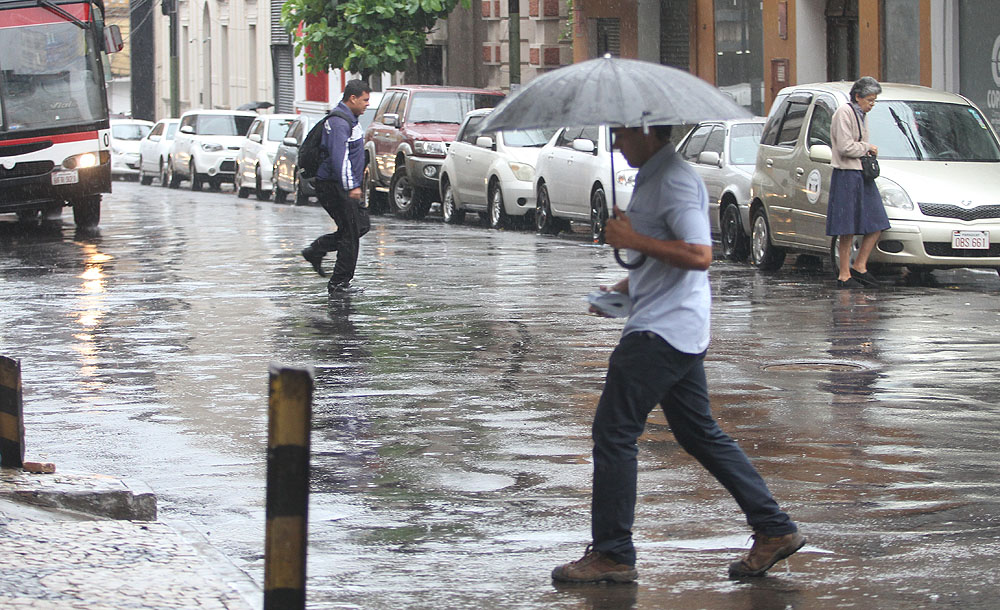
[(869, 162)]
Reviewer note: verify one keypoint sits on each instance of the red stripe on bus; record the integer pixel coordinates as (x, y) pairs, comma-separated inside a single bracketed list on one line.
[(20, 17), (60, 138)]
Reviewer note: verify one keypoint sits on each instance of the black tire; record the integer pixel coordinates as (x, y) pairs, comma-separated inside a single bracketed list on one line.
[(143, 178), (173, 180), (373, 200), (499, 219), (28, 216), (735, 243), (87, 211), (279, 195), (164, 178), (260, 193), (196, 180), (300, 197), (408, 201), (449, 210), (598, 215), (544, 222), (764, 254)]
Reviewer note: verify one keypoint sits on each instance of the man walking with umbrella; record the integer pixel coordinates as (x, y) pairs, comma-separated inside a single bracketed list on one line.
[(660, 360)]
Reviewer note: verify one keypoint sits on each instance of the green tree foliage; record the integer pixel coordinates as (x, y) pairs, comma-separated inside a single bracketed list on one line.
[(363, 36)]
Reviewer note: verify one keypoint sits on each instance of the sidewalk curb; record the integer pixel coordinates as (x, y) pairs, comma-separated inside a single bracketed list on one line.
[(90, 494), (238, 580)]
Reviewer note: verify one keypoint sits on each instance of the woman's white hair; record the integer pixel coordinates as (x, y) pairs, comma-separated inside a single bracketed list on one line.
[(865, 86)]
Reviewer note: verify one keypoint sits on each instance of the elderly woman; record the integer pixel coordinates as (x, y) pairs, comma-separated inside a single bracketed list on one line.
[(855, 206)]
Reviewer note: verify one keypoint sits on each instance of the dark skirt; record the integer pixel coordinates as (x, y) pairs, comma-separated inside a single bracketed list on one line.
[(855, 206)]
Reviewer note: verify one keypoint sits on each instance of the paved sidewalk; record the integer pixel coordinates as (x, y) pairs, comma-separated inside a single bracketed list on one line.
[(54, 558)]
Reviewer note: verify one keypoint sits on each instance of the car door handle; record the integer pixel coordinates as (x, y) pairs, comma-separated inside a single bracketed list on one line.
[(799, 172), (769, 162)]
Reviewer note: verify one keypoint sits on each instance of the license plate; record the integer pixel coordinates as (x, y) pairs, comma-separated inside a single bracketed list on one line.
[(66, 177), (970, 240)]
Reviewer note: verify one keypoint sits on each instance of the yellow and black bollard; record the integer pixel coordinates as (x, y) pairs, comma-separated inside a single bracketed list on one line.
[(285, 541), (11, 414)]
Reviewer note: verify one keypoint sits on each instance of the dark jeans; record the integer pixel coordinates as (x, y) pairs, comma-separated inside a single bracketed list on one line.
[(352, 222), (645, 371)]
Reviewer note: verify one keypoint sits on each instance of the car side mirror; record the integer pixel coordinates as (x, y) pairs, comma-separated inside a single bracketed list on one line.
[(392, 120), (584, 145), (484, 142), (710, 157), (290, 141), (153, 138), (821, 153), (255, 137), (187, 129)]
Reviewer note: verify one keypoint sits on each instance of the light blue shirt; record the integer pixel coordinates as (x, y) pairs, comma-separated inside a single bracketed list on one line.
[(670, 202)]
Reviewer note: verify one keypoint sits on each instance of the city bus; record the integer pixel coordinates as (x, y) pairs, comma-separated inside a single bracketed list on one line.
[(54, 132)]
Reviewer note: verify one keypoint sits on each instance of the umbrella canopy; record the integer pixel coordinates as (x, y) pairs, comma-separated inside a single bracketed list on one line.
[(614, 92), (255, 106)]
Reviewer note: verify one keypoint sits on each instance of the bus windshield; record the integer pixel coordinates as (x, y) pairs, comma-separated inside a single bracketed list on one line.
[(49, 77)]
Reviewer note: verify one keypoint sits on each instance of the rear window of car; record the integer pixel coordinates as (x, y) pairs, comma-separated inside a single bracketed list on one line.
[(223, 125), (171, 130), (447, 106)]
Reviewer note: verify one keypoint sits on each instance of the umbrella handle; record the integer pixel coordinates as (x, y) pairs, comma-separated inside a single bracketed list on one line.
[(635, 265)]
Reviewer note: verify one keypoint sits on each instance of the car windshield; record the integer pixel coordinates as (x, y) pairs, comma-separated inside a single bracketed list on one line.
[(535, 138), (448, 107), (744, 138), (276, 130), (931, 131), (223, 125), (129, 131)]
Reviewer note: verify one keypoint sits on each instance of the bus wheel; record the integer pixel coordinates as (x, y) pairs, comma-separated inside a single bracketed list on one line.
[(87, 211)]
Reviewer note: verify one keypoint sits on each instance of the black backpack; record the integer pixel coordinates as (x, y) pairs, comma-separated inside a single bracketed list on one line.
[(311, 153)]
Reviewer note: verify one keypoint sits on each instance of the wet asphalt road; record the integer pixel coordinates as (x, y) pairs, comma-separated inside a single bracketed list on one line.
[(453, 403)]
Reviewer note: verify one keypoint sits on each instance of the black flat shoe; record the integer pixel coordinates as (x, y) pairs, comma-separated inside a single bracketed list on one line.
[(865, 278), (848, 283)]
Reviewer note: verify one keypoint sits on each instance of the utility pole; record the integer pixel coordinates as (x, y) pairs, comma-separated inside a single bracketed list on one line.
[(514, 46), (169, 7)]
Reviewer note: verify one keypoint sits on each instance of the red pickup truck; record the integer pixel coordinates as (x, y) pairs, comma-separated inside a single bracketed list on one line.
[(407, 140)]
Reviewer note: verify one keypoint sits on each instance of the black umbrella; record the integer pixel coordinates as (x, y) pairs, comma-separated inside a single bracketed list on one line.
[(255, 106)]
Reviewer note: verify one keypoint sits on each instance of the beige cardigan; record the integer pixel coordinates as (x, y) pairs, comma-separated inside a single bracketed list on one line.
[(847, 150)]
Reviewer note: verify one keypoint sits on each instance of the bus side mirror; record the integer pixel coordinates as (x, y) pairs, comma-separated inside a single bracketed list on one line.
[(113, 39)]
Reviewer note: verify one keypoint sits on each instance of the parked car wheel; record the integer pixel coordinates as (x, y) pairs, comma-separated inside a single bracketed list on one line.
[(300, 197), (373, 200), (164, 178), (544, 222), (598, 215), (766, 256), (735, 244), (173, 180), (409, 201), (452, 215), (144, 178), (498, 213), (196, 180), (259, 192), (279, 195)]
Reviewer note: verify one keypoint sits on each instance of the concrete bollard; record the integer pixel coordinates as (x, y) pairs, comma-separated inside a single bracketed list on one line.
[(286, 538), (11, 414)]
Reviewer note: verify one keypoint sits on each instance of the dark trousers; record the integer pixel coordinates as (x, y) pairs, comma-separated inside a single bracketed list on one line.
[(645, 371), (352, 222)]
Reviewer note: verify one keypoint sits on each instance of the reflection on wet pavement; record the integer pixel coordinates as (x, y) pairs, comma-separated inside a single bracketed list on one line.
[(453, 402)]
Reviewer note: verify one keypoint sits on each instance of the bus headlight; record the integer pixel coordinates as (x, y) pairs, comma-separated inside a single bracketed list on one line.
[(81, 161)]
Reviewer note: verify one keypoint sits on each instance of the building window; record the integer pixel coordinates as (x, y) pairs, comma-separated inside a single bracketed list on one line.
[(901, 44), (608, 37), (842, 40), (739, 49)]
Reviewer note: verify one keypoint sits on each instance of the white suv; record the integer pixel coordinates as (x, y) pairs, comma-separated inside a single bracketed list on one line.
[(205, 147)]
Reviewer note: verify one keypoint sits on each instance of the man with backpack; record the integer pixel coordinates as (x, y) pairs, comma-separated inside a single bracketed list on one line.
[(339, 165)]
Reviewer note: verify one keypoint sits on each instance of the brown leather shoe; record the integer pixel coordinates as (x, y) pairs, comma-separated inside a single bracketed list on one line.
[(594, 566), (765, 552)]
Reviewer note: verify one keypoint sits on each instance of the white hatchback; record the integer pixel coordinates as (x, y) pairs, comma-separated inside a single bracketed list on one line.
[(126, 134), (255, 162), (153, 151), (205, 147), (573, 178), (492, 175)]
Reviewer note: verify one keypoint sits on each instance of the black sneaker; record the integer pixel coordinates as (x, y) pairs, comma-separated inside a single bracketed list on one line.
[(315, 259), (848, 283), (343, 288)]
